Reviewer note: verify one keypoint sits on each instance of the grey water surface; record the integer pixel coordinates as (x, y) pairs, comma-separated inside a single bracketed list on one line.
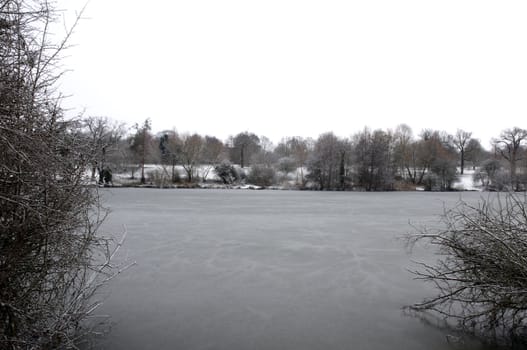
[(241, 269)]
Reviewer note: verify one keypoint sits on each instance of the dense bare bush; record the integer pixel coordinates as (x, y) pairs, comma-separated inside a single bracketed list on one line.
[(329, 163), (510, 145), (158, 178), (286, 165), (51, 260), (481, 275), (491, 175), (227, 172), (262, 175)]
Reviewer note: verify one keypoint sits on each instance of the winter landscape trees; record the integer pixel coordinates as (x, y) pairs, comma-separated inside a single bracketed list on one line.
[(461, 141), (140, 145), (373, 160), (509, 145), (327, 164), (52, 259), (369, 160), (104, 135)]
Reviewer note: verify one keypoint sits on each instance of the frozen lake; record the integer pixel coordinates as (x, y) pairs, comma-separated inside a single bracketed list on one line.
[(234, 269)]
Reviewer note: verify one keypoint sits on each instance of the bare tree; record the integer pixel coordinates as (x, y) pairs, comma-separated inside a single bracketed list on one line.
[(461, 140), (491, 175), (212, 154), (428, 161), (329, 162), (297, 149), (51, 256), (373, 160), (404, 152), (244, 146), (428, 148), (191, 150), (141, 144), (437, 158), (300, 149), (104, 134), (475, 153), (264, 155), (509, 146), (480, 276), (170, 147)]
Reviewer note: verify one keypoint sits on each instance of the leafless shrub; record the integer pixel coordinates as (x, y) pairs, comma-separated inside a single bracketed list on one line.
[(481, 275), (51, 258), (159, 178), (262, 175)]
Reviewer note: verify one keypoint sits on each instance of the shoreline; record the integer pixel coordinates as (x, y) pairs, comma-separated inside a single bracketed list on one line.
[(251, 187)]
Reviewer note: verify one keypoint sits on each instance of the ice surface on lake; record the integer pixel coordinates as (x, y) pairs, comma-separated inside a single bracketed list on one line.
[(223, 269)]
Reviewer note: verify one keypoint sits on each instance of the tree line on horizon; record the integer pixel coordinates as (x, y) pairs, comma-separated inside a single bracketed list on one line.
[(369, 160)]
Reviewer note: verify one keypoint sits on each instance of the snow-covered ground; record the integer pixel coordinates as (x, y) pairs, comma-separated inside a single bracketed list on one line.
[(202, 171), (465, 182)]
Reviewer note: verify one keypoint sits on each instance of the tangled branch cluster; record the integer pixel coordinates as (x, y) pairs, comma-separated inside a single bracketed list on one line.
[(481, 276), (51, 259)]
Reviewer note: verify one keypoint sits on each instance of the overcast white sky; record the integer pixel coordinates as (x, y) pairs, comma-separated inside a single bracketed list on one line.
[(301, 67)]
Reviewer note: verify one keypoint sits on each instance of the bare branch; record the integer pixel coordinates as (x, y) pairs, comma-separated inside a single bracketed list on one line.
[(481, 275)]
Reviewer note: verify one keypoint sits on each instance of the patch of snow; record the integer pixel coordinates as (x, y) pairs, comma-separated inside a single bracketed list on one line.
[(249, 187), (465, 182)]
